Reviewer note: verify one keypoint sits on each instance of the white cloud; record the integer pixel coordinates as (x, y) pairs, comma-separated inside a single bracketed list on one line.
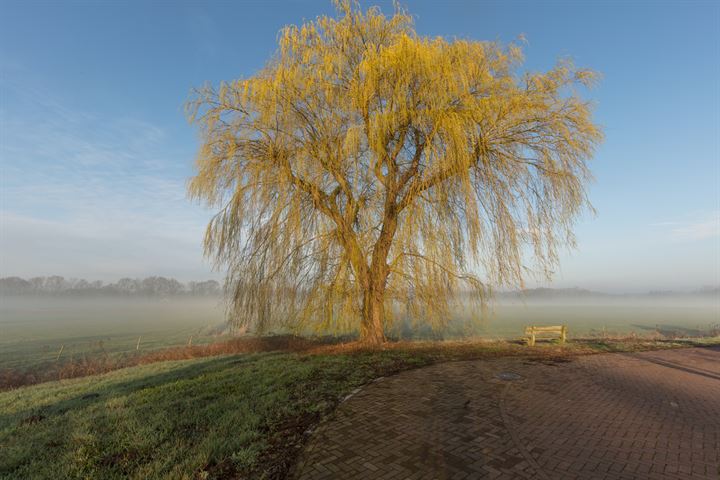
[(699, 230), (664, 224), (701, 227)]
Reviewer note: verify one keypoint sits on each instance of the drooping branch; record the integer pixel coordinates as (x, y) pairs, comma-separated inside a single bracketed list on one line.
[(367, 166)]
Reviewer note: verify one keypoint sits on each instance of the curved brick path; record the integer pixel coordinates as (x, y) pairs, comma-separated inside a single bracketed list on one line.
[(652, 415)]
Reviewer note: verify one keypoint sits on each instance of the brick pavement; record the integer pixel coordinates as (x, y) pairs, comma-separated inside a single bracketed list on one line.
[(651, 415)]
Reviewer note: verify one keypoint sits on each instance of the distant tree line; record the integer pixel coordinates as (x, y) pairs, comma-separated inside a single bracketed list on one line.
[(147, 287), (157, 286)]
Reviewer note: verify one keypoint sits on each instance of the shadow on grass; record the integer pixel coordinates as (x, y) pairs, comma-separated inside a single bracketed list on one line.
[(225, 417), (215, 416), (91, 364), (123, 388)]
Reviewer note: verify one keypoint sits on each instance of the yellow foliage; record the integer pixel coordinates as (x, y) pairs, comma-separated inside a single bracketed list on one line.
[(367, 167)]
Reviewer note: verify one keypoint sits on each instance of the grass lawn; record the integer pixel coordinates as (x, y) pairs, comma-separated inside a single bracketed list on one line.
[(233, 416)]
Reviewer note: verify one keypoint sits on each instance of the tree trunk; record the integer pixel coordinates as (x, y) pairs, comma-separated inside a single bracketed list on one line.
[(372, 328)]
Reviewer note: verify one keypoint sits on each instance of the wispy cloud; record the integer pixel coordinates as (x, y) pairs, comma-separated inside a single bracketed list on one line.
[(701, 227), (699, 230), (81, 192)]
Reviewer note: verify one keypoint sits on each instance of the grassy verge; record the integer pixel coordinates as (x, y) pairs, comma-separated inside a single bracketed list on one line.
[(230, 416), (91, 364)]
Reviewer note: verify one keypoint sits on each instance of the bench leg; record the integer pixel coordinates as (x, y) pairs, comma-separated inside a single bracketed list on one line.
[(531, 340), (563, 335)]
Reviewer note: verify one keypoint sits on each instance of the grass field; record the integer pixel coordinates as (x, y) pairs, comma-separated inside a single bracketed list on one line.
[(237, 416)]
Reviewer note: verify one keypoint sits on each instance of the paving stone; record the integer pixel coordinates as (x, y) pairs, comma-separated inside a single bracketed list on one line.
[(610, 416)]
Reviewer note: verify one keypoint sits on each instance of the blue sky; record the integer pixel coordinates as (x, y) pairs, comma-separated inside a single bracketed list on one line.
[(95, 150)]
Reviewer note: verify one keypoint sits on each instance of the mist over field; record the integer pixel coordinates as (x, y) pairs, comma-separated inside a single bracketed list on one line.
[(135, 316), (33, 329), (587, 314)]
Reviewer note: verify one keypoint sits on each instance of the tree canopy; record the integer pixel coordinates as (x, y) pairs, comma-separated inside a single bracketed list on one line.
[(366, 167)]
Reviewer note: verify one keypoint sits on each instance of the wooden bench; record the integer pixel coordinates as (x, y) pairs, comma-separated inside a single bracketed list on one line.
[(533, 331)]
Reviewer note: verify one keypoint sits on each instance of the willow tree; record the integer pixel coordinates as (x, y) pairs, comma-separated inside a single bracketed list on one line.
[(366, 166)]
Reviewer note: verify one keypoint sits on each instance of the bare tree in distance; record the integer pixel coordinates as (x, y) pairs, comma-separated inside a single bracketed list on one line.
[(366, 165)]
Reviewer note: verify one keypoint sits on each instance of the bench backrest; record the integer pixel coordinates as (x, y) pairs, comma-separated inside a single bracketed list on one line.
[(533, 331), (539, 330)]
